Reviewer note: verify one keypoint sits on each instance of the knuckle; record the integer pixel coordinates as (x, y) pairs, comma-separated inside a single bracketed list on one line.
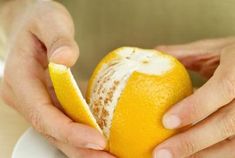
[(227, 81), (66, 138), (193, 108), (35, 120), (50, 139), (68, 134), (228, 126), (187, 146)]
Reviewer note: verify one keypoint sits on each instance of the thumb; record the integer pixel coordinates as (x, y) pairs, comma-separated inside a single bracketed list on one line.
[(56, 32)]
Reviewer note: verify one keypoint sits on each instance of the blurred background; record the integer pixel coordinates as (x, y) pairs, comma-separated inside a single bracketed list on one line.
[(104, 25)]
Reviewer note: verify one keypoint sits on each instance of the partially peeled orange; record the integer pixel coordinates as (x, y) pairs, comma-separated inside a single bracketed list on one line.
[(127, 95)]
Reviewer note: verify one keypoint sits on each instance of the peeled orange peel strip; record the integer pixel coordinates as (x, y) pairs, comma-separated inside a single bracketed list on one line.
[(70, 96)]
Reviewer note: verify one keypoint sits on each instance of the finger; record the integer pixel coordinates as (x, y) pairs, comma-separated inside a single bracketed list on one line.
[(222, 149), (214, 94), (197, 47), (33, 101), (200, 56), (207, 68), (54, 27), (49, 120), (51, 90), (217, 128), (203, 63), (73, 152)]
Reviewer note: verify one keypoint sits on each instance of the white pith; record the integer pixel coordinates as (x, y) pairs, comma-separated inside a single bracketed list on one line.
[(118, 71)]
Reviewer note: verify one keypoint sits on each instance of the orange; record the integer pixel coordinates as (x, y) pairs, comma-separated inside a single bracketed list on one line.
[(128, 93)]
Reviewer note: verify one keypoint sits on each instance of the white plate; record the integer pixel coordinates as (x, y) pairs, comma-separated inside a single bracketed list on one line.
[(33, 145)]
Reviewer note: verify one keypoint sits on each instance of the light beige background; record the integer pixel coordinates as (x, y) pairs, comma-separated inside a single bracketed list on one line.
[(102, 25)]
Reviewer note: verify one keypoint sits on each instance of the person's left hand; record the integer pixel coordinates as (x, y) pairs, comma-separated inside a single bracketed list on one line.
[(211, 109)]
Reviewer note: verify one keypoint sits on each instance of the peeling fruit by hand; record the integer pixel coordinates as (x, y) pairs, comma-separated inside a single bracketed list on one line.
[(127, 95)]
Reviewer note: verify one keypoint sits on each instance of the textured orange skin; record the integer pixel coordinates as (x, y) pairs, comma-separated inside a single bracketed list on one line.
[(136, 126)]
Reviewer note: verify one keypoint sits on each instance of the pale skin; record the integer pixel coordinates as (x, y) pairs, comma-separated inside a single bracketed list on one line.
[(44, 32), (211, 108), (40, 32)]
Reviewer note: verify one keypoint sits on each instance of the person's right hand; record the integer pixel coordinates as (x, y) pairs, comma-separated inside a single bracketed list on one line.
[(44, 33)]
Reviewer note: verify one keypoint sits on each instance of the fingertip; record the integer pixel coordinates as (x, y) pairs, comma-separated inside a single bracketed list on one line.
[(89, 137), (162, 153), (65, 55), (180, 115), (98, 137), (171, 121)]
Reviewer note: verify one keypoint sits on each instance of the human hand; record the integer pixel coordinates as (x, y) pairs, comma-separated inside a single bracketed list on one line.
[(211, 109), (44, 32)]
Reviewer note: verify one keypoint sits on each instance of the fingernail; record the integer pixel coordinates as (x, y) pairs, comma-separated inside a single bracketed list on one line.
[(59, 52), (171, 121), (163, 153), (93, 146)]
